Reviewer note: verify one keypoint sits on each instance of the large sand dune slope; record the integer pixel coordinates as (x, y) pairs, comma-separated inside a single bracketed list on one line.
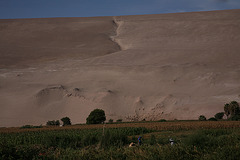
[(171, 66)]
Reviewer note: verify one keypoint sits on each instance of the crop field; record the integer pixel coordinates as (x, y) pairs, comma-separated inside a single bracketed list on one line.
[(191, 140), (171, 125)]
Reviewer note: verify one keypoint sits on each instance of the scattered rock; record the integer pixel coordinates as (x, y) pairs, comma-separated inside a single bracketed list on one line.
[(76, 89), (69, 94)]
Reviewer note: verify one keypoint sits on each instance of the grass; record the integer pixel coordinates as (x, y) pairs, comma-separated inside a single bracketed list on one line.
[(193, 140)]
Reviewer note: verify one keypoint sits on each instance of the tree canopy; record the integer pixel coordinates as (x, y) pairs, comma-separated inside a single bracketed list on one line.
[(66, 121), (232, 109), (97, 116), (53, 123), (219, 115), (227, 109)]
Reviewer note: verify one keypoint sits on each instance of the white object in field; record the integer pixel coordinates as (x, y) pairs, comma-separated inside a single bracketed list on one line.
[(171, 141), (131, 144)]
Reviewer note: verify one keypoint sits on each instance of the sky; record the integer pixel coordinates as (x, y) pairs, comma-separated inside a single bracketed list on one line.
[(10, 9)]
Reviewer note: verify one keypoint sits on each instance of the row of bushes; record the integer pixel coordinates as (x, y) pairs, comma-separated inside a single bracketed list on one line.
[(231, 110), (97, 116), (65, 120)]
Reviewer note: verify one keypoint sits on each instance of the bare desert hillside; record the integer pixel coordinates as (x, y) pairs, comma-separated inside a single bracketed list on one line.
[(171, 66)]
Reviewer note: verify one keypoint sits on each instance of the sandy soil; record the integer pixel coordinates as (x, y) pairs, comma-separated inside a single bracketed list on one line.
[(171, 66)]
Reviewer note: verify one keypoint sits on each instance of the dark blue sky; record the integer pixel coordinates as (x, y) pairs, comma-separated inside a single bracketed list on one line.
[(91, 8)]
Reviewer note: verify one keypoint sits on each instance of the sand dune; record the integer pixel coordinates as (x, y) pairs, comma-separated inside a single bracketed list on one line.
[(172, 66), (29, 41)]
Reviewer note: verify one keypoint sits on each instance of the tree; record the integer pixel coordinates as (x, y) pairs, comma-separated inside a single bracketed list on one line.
[(57, 123), (202, 118), (227, 109), (234, 108), (53, 123), (97, 116), (66, 121), (219, 115)]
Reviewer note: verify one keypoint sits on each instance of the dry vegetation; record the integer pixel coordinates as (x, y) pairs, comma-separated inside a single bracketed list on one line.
[(173, 125)]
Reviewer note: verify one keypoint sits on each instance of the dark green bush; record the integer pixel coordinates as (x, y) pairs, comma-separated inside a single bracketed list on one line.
[(119, 120), (212, 119), (110, 121), (202, 118), (31, 126), (219, 115), (162, 120), (235, 118), (53, 123)]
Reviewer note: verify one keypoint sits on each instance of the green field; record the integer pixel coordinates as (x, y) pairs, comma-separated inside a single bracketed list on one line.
[(111, 142)]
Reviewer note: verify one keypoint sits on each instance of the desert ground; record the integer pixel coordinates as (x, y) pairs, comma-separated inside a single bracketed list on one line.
[(166, 66)]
